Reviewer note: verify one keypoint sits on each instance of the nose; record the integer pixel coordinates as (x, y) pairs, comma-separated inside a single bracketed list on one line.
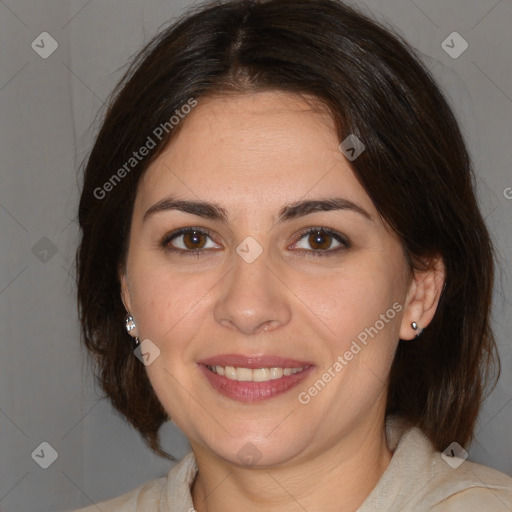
[(252, 298)]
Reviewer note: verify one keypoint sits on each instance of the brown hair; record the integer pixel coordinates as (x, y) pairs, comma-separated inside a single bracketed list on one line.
[(415, 168)]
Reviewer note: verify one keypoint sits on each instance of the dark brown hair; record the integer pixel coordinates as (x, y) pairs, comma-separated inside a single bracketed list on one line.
[(415, 168)]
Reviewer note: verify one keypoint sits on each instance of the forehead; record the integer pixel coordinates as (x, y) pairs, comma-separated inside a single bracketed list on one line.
[(257, 150)]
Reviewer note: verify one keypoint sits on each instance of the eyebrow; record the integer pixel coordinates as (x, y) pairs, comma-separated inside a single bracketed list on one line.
[(214, 211)]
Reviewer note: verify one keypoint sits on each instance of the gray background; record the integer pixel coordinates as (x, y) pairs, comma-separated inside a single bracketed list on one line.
[(48, 108)]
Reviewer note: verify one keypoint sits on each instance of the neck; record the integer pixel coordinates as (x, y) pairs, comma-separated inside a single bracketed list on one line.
[(339, 478)]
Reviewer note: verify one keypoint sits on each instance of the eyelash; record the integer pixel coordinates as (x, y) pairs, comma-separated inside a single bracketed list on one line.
[(165, 243)]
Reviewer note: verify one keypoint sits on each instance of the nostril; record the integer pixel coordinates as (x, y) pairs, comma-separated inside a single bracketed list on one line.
[(266, 326)]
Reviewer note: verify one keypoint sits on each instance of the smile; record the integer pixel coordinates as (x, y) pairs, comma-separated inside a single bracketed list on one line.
[(257, 375), (253, 378)]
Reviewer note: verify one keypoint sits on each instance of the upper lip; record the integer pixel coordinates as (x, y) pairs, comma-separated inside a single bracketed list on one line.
[(253, 361)]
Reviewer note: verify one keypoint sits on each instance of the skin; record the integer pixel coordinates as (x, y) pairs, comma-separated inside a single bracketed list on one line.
[(252, 155)]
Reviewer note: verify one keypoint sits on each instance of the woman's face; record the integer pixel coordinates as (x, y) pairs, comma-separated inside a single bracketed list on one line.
[(275, 342)]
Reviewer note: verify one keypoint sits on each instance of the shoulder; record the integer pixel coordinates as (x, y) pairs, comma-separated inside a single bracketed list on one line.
[(166, 494), (453, 484), (146, 497), (470, 487), (420, 479)]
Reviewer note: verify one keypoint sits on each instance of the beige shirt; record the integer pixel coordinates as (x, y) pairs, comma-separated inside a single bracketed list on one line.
[(417, 479)]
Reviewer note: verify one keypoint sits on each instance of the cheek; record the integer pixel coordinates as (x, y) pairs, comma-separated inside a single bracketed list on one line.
[(349, 301), (170, 308), (168, 303), (360, 313)]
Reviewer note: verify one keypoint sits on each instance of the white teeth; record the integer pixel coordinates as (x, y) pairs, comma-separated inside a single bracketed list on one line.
[(276, 373), (230, 372), (243, 374), (261, 375), (257, 375)]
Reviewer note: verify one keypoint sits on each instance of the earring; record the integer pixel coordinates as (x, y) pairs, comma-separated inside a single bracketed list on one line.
[(130, 325), (416, 327)]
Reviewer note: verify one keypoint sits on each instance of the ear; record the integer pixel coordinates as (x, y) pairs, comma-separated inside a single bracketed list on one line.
[(126, 299), (422, 298)]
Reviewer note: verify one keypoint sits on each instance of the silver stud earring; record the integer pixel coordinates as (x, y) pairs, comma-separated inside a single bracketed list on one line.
[(417, 328)]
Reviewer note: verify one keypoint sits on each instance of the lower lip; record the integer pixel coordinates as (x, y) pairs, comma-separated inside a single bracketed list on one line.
[(248, 391)]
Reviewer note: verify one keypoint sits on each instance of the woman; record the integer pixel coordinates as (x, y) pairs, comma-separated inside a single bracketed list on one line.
[(279, 211)]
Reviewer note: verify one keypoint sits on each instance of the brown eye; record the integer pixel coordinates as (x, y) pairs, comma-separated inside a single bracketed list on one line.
[(321, 241), (189, 240), (194, 240)]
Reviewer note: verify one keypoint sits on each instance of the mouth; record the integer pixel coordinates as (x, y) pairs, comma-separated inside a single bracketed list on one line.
[(253, 379), (257, 375)]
